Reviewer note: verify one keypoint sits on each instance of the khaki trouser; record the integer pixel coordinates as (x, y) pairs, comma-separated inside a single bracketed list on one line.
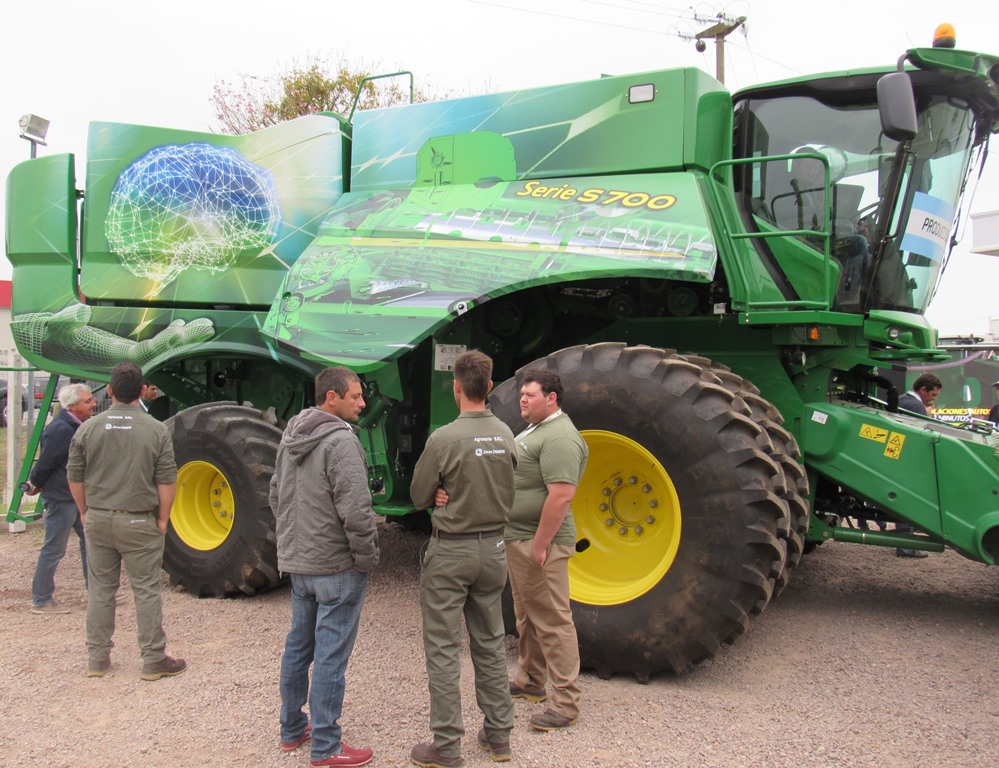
[(548, 649), (114, 538), (465, 577)]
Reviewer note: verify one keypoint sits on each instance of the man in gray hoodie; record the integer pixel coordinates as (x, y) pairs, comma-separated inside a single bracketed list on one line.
[(326, 542)]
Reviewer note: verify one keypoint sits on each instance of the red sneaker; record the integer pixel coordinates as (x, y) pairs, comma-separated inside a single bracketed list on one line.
[(291, 746), (348, 757)]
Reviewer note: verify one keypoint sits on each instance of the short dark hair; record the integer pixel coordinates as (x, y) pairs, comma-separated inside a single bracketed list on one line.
[(549, 382), (927, 381), (337, 379), (473, 370), (126, 382)]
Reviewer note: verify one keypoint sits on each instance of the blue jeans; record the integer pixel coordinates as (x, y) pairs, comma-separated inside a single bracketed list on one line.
[(325, 613), (61, 517)]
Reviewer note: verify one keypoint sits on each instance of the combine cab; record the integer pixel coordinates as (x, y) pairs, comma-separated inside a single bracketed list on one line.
[(719, 280)]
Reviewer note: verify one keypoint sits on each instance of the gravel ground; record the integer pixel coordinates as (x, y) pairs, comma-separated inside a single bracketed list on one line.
[(865, 660)]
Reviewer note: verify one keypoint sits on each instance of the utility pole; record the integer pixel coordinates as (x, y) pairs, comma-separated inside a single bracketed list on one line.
[(724, 26)]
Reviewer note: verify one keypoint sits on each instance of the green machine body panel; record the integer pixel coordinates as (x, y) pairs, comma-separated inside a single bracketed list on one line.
[(650, 209)]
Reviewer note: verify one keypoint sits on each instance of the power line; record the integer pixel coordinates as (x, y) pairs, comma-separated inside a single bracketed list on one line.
[(676, 13), (563, 16), (766, 58), (690, 14)]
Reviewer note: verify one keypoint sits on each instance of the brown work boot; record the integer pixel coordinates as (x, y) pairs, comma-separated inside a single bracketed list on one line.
[(499, 751), (98, 668), (166, 667), (550, 721), (425, 755), (526, 693)]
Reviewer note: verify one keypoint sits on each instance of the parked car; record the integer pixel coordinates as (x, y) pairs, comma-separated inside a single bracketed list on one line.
[(3, 401)]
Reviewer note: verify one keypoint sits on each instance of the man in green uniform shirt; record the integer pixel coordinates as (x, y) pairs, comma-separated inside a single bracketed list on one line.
[(464, 570), (540, 538), (123, 477)]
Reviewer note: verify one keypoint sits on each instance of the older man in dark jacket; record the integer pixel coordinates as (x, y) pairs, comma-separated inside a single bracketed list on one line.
[(326, 542), (61, 514)]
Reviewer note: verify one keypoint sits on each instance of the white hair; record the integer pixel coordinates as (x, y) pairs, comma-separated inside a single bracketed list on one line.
[(72, 394)]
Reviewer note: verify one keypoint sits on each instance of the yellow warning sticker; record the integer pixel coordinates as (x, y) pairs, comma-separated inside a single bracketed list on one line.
[(894, 447), (876, 434)]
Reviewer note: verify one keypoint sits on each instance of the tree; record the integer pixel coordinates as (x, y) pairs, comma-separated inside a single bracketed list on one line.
[(319, 86)]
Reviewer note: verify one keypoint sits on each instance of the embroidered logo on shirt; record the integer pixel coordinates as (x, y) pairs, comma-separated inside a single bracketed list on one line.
[(492, 452)]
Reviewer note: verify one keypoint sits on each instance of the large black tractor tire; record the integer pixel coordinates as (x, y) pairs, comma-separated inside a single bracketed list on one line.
[(681, 515), (783, 450), (221, 538)]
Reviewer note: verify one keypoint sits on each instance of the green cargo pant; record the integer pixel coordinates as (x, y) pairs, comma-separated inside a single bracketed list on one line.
[(467, 577), (114, 538)]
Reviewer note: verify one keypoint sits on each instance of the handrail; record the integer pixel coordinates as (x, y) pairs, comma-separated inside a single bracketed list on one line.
[(14, 510), (825, 234), (360, 88)]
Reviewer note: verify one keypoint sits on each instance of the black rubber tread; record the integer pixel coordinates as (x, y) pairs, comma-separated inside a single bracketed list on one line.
[(705, 437), (784, 451), (240, 443)]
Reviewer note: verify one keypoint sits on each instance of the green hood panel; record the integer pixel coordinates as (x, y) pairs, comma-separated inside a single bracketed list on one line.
[(388, 268)]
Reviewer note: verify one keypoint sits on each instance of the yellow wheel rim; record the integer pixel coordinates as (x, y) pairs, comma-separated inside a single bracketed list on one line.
[(627, 508), (204, 509)]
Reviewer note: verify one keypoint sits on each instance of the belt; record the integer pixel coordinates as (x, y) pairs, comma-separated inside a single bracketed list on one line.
[(121, 511), (475, 535)]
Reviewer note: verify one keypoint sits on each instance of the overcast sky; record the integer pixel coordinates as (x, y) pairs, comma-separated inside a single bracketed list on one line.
[(156, 63)]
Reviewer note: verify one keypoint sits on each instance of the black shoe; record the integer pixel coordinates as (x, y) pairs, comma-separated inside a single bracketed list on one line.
[(917, 553)]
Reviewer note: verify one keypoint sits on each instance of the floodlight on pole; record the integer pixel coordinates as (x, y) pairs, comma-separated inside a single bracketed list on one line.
[(33, 129)]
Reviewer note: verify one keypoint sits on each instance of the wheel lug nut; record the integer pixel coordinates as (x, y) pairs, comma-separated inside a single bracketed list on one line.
[(606, 491), (604, 507), (633, 480), (646, 488), (653, 504), (639, 530), (617, 481), (650, 519), (623, 531), (609, 522)]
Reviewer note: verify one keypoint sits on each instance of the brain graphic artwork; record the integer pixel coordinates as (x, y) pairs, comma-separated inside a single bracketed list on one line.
[(190, 206)]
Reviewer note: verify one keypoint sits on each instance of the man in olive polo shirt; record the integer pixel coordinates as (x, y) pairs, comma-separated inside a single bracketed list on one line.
[(123, 477), (540, 539)]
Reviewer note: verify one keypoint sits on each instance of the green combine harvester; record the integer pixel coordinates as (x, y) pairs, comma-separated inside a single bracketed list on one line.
[(722, 282)]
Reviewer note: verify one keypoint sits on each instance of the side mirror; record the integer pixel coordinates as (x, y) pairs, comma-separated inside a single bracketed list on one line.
[(897, 106)]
